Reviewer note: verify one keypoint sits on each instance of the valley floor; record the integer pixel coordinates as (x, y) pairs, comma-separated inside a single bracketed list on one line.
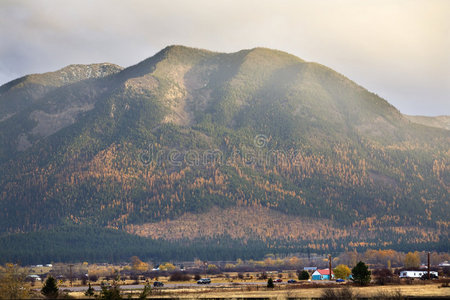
[(433, 291)]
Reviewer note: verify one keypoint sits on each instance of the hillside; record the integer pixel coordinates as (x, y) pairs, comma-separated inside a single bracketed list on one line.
[(173, 144), (438, 121)]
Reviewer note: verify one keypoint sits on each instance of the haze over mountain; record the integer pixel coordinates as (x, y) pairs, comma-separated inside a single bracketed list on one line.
[(192, 146), (439, 121)]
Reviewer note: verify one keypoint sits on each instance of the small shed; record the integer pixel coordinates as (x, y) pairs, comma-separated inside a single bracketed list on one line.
[(322, 274)]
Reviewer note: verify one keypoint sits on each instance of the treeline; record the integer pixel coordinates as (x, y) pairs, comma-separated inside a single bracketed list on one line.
[(82, 243), (92, 244)]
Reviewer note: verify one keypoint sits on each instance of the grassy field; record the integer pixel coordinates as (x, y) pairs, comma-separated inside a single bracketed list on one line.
[(229, 286), (296, 292)]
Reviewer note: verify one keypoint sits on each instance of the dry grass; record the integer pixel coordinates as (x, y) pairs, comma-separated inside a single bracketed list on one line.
[(293, 292)]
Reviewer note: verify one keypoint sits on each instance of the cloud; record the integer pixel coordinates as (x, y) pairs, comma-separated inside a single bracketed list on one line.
[(397, 49)]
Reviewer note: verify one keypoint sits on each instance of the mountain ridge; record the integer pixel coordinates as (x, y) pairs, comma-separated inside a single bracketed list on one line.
[(132, 147), (435, 121)]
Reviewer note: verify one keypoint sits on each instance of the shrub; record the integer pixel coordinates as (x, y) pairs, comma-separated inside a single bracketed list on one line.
[(263, 276), (335, 293), (383, 276), (384, 295), (179, 276)]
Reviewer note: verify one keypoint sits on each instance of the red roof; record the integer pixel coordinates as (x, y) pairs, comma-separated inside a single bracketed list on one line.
[(324, 271)]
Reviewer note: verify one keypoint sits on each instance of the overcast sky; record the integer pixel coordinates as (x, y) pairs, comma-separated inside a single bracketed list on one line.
[(398, 49)]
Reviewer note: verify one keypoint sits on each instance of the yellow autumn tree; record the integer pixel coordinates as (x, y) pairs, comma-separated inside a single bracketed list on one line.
[(12, 283), (138, 265), (412, 260), (342, 271), (167, 267)]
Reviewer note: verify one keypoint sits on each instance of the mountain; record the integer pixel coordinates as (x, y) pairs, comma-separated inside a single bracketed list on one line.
[(438, 121), (192, 147)]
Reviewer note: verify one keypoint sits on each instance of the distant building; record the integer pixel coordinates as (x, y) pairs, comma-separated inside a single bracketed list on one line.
[(310, 269), (415, 274), (322, 274), (444, 264), (34, 277)]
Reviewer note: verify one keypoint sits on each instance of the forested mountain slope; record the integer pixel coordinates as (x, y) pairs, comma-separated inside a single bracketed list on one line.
[(438, 121), (188, 132)]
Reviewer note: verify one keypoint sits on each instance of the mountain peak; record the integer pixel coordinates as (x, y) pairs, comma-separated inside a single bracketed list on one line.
[(273, 54), (66, 75), (184, 53)]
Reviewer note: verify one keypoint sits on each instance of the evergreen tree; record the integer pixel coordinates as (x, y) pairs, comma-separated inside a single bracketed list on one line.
[(270, 283), (50, 288), (361, 274), (303, 275), (111, 293), (90, 291), (145, 292)]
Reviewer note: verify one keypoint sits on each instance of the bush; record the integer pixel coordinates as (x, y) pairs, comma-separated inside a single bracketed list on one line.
[(93, 278), (384, 295), (383, 276), (197, 277), (336, 293), (135, 278), (179, 276), (110, 277)]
